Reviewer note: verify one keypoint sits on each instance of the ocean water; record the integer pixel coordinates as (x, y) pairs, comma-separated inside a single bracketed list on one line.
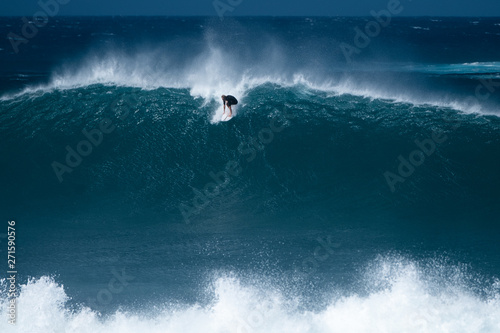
[(354, 191)]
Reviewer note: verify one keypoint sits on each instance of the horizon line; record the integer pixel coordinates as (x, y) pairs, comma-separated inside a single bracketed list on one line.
[(248, 16)]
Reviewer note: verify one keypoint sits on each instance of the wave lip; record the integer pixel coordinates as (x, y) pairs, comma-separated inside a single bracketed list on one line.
[(464, 68), (210, 92), (214, 72)]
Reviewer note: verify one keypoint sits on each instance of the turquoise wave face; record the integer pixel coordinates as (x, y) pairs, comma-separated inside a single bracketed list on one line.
[(287, 148)]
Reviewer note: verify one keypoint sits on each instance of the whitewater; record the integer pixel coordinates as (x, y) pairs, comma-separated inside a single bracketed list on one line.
[(398, 298)]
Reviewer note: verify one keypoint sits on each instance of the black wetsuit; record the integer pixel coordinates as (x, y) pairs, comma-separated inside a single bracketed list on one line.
[(230, 100)]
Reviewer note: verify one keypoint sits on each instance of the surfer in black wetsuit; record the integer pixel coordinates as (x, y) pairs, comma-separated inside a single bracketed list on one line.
[(229, 100)]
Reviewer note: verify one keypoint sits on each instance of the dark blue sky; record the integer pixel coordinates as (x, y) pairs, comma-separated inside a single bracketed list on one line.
[(255, 7)]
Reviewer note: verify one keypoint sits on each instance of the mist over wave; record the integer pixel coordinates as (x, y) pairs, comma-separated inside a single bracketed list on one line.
[(214, 72), (214, 64)]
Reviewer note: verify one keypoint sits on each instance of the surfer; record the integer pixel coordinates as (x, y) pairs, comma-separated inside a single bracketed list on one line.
[(229, 100)]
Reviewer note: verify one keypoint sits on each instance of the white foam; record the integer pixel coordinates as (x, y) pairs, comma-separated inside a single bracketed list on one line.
[(403, 298), (467, 105), (420, 28), (216, 71)]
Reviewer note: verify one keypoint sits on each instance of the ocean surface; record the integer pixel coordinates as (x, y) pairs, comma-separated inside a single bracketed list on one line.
[(356, 189)]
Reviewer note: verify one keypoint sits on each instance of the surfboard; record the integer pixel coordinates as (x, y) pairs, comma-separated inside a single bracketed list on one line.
[(225, 117)]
